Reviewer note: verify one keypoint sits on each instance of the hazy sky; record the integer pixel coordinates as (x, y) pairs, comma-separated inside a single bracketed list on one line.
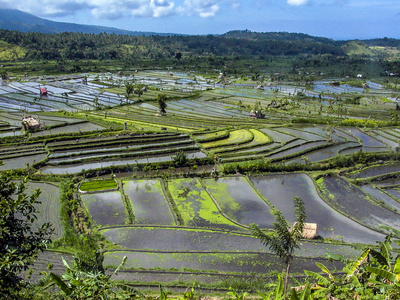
[(337, 19)]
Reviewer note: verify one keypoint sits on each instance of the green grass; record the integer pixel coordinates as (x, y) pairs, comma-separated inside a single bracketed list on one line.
[(236, 137), (98, 185)]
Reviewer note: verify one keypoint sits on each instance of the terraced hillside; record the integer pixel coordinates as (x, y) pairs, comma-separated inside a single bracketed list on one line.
[(177, 192)]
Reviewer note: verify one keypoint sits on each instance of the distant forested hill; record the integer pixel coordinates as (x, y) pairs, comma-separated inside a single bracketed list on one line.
[(13, 19), (279, 36), (69, 45)]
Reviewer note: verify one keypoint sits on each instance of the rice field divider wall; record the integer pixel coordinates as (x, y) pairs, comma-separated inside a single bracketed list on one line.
[(127, 155), (258, 192), (160, 125), (305, 151), (115, 151), (128, 139), (368, 180), (172, 205), (234, 148), (100, 191), (262, 153), (234, 142), (383, 189), (217, 205), (218, 135), (23, 153), (352, 147), (128, 205)]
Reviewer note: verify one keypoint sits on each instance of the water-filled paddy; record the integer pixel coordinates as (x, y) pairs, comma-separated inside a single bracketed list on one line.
[(359, 206), (376, 170), (105, 209), (49, 209), (381, 196), (238, 200), (280, 190), (21, 162), (195, 206), (308, 136), (227, 262), (296, 149), (367, 140), (277, 136), (82, 127), (149, 203), (324, 153)]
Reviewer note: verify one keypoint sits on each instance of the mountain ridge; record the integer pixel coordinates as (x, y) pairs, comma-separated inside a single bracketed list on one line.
[(13, 19)]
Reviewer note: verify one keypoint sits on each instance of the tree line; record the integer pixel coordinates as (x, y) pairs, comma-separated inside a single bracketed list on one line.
[(69, 45)]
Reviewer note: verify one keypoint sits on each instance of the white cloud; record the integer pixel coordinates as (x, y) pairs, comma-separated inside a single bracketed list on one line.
[(202, 8), (297, 2), (116, 9)]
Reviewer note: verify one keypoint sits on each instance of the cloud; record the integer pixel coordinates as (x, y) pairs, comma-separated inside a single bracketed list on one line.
[(117, 9), (318, 2), (297, 2), (202, 8)]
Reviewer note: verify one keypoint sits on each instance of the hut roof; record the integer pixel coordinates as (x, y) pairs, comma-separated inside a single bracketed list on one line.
[(31, 122), (310, 230)]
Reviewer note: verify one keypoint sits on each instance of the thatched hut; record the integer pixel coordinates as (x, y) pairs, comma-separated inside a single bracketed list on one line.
[(31, 123), (256, 115), (310, 230)]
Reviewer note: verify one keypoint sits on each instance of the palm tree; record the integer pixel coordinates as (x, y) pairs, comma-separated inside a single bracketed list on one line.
[(161, 100), (129, 88), (284, 239)]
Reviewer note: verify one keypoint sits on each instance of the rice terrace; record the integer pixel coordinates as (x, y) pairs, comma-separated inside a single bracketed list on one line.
[(169, 165)]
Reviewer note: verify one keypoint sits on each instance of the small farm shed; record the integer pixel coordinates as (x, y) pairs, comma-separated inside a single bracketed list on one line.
[(43, 91), (310, 230), (256, 115), (31, 123)]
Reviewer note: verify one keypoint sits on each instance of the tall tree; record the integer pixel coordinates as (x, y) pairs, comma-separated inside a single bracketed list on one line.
[(129, 88), (162, 104), (20, 239), (284, 239)]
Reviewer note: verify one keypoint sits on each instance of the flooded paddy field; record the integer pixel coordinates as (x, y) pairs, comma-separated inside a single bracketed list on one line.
[(376, 170), (226, 262), (382, 197), (174, 221), (239, 202), (49, 208), (360, 206), (149, 203), (105, 209), (280, 190), (22, 162), (196, 207)]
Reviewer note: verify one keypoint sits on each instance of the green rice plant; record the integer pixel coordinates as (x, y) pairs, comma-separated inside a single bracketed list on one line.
[(98, 185), (236, 137)]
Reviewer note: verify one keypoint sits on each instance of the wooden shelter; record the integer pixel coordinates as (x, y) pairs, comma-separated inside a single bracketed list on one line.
[(310, 230), (256, 115), (31, 123)]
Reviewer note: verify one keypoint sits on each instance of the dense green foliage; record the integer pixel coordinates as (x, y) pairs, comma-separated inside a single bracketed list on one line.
[(284, 240), (70, 45), (20, 241)]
